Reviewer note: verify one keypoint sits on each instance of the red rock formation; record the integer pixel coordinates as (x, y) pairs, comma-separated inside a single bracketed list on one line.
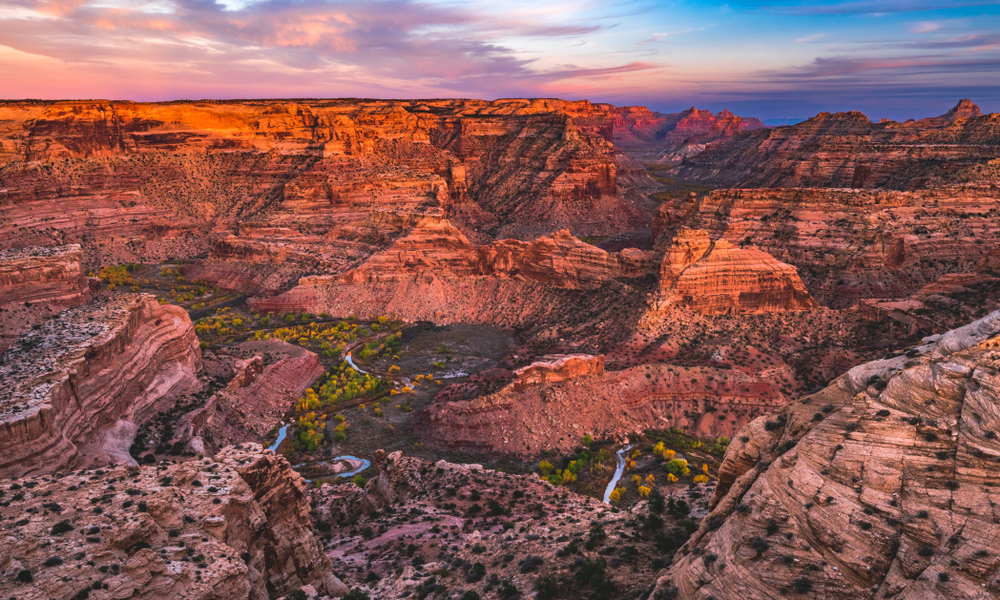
[(35, 275), (871, 488), (243, 516), (846, 150), (150, 181), (433, 272), (527, 418), (852, 244), (36, 282), (716, 277), (255, 399), (671, 137), (558, 368), (78, 385)]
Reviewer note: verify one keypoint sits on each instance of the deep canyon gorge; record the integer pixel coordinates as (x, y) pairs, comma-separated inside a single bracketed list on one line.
[(392, 349)]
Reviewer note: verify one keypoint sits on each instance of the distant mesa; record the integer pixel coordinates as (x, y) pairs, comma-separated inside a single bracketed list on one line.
[(965, 109)]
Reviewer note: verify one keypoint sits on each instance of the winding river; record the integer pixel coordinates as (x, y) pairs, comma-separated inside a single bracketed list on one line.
[(350, 361), (364, 463), (619, 470), (283, 433)]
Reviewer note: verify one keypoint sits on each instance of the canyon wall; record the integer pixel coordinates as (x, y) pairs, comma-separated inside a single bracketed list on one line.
[(144, 182), (80, 383), (38, 282), (717, 277), (850, 245), (847, 150), (533, 414), (882, 485)]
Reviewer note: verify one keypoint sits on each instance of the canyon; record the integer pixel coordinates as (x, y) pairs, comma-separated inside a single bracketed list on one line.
[(405, 348)]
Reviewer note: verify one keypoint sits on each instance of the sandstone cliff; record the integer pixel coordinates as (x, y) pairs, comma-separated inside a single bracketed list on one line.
[(847, 150), (77, 386), (850, 245), (717, 277), (880, 486), (36, 282), (533, 414), (237, 527), (144, 182)]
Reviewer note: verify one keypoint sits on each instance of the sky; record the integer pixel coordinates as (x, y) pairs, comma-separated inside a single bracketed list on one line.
[(781, 61)]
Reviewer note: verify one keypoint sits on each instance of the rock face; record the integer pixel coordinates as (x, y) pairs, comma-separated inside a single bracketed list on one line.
[(883, 485), (847, 150), (558, 368), (52, 274), (430, 271), (78, 385), (236, 527), (255, 399), (717, 277), (435, 252), (669, 138), (850, 245), (533, 415), (38, 281), (143, 182)]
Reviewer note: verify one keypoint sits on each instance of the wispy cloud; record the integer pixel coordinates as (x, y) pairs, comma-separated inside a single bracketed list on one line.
[(810, 38), (865, 7), (925, 27), (403, 43), (659, 37)]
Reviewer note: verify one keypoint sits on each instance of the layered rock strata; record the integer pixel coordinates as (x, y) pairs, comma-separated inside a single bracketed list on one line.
[(237, 527), (77, 386), (527, 418), (880, 486), (850, 245), (717, 277), (145, 182), (431, 271), (36, 282), (847, 150)]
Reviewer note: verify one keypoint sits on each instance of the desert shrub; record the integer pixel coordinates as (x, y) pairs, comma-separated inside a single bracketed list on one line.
[(61, 527), (546, 588)]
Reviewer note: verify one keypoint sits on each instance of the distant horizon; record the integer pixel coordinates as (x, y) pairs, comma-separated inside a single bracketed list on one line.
[(779, 61), (770, 122)]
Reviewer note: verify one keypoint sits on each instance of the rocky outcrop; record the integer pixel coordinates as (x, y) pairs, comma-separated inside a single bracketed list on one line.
[(433, 246), (34, 275), (558, 368), (258, 396), (36, 282), (879, 486), (144, 182), (850, 245), (432, 272), (446, 517), (669, 138), (525, 418), (236, 527), (847, 150), (76, 387), (717, 277)]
